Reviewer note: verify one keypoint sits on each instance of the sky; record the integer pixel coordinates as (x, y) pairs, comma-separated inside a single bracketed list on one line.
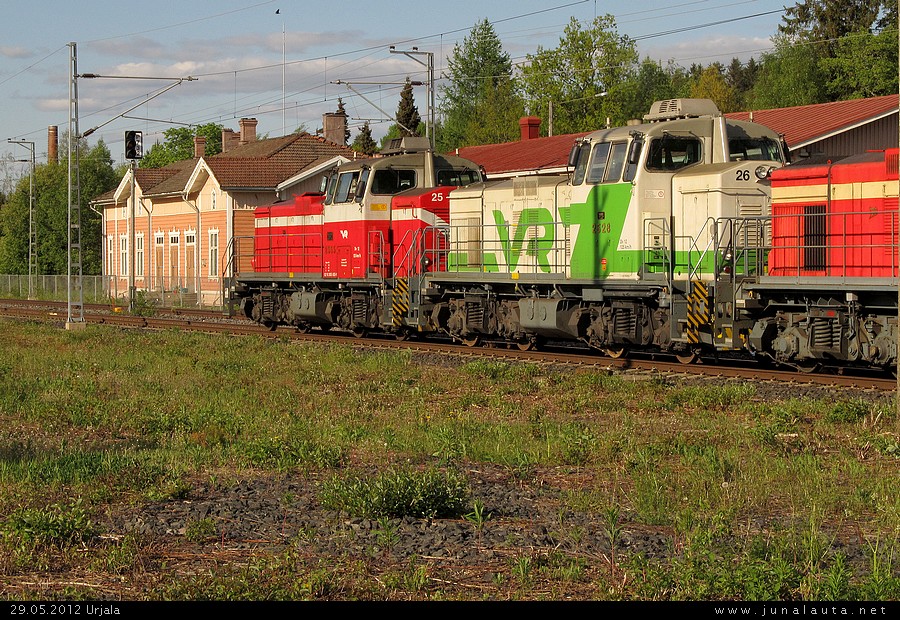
[(177, 63)]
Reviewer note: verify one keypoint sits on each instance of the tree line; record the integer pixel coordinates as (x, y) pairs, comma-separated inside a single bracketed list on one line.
[(824, 50)]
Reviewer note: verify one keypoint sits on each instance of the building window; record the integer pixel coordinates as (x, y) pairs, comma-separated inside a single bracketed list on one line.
[(159, 261), (123, 255), (174, 275), (213, 253), (110, 255), (139, 255)]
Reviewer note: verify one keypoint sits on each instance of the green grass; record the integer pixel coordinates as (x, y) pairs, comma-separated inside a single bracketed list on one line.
[(752, 491)]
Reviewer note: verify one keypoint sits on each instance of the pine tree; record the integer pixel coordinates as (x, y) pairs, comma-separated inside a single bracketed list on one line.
[(364, 143), (341, 111), (408, 117), (476, 65)]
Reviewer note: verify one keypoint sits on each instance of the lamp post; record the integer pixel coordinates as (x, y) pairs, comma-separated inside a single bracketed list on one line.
[(429, 85), (32, 249)]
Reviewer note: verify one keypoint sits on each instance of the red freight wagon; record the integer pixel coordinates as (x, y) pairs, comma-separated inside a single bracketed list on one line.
[(836, 219), (288, 236)]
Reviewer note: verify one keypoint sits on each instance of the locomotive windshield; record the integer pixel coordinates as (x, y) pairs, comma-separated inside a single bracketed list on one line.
[(603, 163), (344, 188)]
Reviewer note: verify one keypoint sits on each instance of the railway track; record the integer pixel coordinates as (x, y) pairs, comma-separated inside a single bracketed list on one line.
[(211, 321)]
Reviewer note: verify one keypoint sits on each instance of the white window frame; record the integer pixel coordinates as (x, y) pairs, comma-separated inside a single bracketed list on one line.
[(139, 255), (213, 253), (123, 255), (110, 255)]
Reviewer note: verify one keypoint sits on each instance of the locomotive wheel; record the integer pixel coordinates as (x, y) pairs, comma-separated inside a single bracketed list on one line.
[(527, 345), (472, 340), (304, 328), (403, 335), (270, 325), (687, 358), (617, 352), (808, 367), (359, 331)]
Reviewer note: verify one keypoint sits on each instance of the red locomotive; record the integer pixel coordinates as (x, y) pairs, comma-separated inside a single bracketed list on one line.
[(831, 289)]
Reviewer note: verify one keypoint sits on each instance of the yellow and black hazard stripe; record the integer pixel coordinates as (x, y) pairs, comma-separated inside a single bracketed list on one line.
[(400, 301), (698, 311)]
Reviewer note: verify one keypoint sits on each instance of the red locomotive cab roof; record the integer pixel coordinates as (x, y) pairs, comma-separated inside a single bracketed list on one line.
[(421, 197), (869, 166), (795, 174), (310, 203)]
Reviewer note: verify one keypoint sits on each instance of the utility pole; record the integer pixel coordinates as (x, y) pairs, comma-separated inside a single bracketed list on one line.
[(429, 86), (32, 238), (75, 305)]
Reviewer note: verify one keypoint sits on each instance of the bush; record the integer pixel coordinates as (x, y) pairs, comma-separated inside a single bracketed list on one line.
[(425, 494)]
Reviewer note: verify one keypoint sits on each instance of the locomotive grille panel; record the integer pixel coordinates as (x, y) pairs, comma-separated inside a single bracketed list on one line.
[(474, 314), (470, 240), (525, 188), (815, 237), (624, 322)]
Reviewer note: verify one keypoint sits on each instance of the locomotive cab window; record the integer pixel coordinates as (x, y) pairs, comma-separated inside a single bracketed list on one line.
[(754, 149), (599, 157), (579, 159), (345, 190), (457, 178), (607, 162), (616, 162), (390, 181), (673, 153)]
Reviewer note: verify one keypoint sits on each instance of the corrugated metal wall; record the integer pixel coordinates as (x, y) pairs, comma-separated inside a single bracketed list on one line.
[(879, 135)]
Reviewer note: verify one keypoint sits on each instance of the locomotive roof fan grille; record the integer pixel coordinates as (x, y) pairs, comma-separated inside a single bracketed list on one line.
[(407, 144), (670, 109)]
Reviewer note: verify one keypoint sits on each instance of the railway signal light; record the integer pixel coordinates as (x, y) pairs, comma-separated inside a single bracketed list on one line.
[(134, 145)]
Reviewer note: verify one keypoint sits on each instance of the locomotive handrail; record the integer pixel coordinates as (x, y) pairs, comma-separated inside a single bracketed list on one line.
[(414, 247), (516, 250), (376, 255)]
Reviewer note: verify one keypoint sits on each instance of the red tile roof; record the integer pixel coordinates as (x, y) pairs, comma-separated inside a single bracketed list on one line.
[(808, 123), (522, 155), (800, 125), (266, 163)]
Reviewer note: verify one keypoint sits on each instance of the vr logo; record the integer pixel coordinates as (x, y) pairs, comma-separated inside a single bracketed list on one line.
[(345, 234)]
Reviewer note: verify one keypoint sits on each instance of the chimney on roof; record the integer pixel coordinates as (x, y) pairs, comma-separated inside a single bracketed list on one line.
[(334, 127), (530, 127), (248, 130), (230, 139), (199, 146), (53, 144)]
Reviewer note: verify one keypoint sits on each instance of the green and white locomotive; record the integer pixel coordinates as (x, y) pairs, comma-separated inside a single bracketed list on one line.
[(643, 246)]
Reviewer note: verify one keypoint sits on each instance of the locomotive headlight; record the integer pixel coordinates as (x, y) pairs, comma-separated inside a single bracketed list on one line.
[(763, 172)]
